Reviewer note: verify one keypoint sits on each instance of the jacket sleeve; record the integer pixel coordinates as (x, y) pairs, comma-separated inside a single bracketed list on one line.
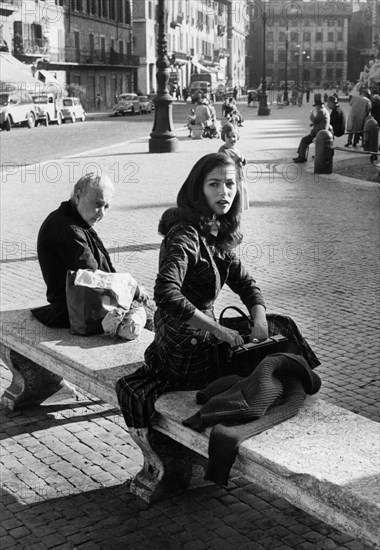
[(179, 253), (241, 282), (75, 250)]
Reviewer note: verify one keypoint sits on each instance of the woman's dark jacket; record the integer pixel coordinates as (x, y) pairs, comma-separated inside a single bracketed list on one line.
[(191, 275), (66, 242)]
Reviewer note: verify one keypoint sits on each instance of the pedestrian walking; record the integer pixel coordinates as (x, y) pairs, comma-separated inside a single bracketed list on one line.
[(98, 101), (196, 259), (230, 136)]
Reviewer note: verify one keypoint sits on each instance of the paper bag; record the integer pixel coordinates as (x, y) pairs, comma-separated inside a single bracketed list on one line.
[(90, 295)]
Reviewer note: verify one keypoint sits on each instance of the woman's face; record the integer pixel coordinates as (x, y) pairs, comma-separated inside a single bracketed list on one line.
[(219, 188)]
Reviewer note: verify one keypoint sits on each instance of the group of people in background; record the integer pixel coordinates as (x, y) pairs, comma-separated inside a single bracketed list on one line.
[(364, 108)]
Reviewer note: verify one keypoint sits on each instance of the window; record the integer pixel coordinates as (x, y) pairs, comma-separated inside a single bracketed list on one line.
[(121, 46), (330, 37), (330, 74), (339, 35), (318, 75), (330, 56), (307, 36), (282, 36), (281, 56), (103, 8), (150, 10), (91, 44), (270, 56), (112, 10), (103, 47), (319, 36), (318, 56), (294, 36), (339, 56), (127, 12)]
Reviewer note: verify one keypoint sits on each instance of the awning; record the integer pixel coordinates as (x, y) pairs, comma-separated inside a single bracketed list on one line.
[(51, 84), (202, 67), (13, 73)]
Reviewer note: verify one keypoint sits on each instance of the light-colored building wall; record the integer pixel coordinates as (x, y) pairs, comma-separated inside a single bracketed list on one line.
[(202, 35)]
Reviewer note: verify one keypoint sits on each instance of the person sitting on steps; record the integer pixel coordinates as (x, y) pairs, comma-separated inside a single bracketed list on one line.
[(320, 120)]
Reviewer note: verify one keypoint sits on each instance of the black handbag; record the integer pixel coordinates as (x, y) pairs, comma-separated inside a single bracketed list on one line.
[(245, 358)]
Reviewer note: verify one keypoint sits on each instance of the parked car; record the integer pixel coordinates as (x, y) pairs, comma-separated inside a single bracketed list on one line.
[(145, 104), (72, 109), (17, 108), (48, 109), (127, 103)]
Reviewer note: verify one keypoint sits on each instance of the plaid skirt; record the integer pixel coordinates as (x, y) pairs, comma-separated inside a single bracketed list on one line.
[(138, 392)]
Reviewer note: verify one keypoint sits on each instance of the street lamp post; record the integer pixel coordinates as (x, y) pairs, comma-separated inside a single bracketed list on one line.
[(263, 109), (286, 96), (162, 137)]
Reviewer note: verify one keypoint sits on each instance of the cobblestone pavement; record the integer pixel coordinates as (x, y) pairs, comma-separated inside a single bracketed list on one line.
[(312, 244)]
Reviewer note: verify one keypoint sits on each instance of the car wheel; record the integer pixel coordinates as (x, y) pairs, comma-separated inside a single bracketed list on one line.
[(133, 112), (73, 118), (59, 119), (123, 113), (8, 124), (47, 120), (31, 122), (83, 118)]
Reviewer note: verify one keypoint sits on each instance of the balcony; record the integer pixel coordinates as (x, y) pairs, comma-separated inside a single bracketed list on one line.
[(34, 47), (93, 57)]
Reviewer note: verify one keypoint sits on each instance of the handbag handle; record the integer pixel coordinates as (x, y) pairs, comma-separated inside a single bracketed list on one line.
[(248, 319)]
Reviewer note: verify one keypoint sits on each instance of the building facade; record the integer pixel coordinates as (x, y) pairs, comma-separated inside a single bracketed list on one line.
[(305, 43), (86, 45), (202, 36)]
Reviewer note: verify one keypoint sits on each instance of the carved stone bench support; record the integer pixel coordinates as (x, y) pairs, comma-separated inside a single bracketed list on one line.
[(168, 468), (31, 384)]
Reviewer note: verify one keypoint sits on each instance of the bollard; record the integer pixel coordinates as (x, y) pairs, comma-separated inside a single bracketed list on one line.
[(324, 152), (371, 135)]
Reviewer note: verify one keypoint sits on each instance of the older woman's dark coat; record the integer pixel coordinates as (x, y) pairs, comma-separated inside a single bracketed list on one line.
[(66, 242)]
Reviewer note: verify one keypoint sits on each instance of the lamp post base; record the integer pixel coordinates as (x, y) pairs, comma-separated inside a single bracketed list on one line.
[(162, 137), (263, 109)]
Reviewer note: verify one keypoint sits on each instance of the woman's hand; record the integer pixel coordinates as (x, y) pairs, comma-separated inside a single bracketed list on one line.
[(260, 324), (259, 331), (141, 295), (224, 334)]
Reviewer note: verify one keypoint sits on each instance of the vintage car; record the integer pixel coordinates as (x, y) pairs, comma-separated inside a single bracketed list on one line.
[(48, 108), (127, 103), (146, 104), (17, 107), (72, 109)]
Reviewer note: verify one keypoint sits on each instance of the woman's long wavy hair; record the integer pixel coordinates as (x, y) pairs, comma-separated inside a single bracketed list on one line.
[(193, 209)]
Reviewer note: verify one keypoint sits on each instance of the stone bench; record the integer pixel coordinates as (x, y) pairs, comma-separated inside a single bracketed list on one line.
[(325, 460)]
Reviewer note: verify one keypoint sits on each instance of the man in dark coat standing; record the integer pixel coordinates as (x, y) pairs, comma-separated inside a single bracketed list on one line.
[(337, 116), (67, 240)]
